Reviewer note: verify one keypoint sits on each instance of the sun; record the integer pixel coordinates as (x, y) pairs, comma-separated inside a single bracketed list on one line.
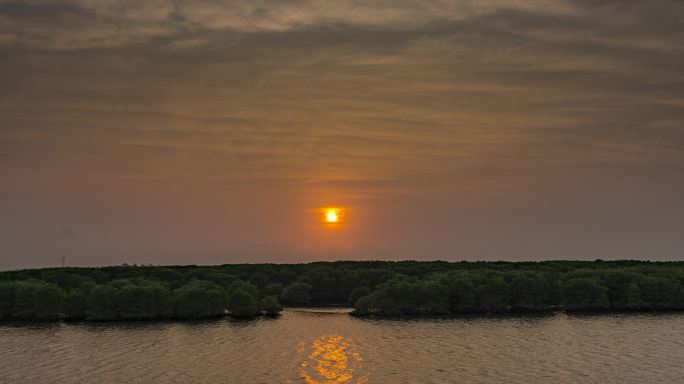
[(331, 216)]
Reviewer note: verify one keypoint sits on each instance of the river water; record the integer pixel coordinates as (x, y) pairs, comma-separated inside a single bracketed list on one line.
[(329, 346)]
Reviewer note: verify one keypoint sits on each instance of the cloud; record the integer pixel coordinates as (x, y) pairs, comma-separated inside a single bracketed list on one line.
[(272, 15), (71, 24), (424, 82), (84, 24)]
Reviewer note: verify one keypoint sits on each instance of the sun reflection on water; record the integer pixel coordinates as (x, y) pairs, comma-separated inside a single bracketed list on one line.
[(333, 360)]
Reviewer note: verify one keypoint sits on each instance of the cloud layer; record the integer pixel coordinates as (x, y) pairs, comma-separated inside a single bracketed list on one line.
[(544, 125)]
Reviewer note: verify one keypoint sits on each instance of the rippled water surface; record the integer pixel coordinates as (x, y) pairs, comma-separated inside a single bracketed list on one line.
[(328, 346)]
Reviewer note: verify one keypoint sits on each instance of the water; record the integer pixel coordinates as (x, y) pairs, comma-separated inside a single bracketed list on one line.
[(328, 346)]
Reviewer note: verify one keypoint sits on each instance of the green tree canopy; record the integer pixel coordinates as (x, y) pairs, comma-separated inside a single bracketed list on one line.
[(199, 299), (357, 294), (297, 294), (102, 303), (269, 305), (242, 304), (584, 293)]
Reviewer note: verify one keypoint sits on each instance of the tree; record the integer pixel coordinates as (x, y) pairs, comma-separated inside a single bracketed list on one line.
[(491, 293), (619, 283), (432, 298), (23, 299), (374, 287), (48, 301), (348, 282), (398, 294), (199, 299), (274, 289), (37, 299), (7, 289), (65, 278), (259, 279), (528, 291), (461, 292), (633, 299), (659, 292), (102, 303), (162, 298), (221, 279), (297, 294), (324, 284), (357, 294), (76, 301), (363, 306), (377, 303), (242, 304), (583, 293), (241, 285), (148, 300), (269, 306)]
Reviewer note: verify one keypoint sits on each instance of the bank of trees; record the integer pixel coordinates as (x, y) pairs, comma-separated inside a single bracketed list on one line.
[(372, 288), (485, 291), (138, 299)]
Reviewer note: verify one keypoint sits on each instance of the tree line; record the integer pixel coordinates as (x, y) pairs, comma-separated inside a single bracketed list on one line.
[(527, 290), (132, 299), (381, 288)]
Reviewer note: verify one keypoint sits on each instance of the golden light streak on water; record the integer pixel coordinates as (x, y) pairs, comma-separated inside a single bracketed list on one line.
[(333, 360)]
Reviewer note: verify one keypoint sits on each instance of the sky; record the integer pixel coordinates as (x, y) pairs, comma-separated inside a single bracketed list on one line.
[(212, 132)]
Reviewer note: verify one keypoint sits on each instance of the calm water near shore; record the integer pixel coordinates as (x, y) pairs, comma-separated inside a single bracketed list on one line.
[(328, 346)]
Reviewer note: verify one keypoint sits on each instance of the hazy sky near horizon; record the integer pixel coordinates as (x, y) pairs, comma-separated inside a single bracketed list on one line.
[(206, 131)]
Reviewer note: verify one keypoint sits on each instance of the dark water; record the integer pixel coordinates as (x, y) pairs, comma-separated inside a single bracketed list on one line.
[(315, 347)]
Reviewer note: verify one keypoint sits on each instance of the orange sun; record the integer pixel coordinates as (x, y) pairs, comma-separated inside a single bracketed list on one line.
[(332, 215)]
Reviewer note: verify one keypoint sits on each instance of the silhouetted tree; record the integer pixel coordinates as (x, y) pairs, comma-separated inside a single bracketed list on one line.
[(432, 298), (199, 299), (356, 294), (269, 305), (659, 292), (259, 279), (491, 292), (23, 299), (377, 303), (363, 306), (297, 294), (373, 287), (633, 299), (528, 291), (461, 292), (7, 289), (583, 293), (618, 282), (224, 280), (242, 304), (48, 301), (274, 289), (144, 300), (37, 299), (241, 285), (102, 303), (76, 301)]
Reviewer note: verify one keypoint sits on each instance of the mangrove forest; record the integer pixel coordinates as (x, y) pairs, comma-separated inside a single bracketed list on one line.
[(372, 288)]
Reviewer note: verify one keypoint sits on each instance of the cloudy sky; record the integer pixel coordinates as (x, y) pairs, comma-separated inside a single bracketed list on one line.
[(207, 131)]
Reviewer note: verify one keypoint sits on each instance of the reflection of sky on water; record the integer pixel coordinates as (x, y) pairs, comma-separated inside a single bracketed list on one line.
[(624, 348)]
